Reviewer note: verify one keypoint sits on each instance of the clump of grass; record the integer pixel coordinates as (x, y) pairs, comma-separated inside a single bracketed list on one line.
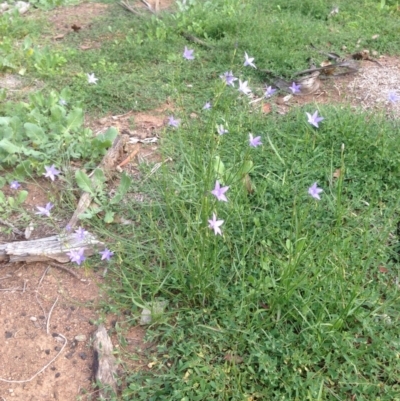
[(290, 302)]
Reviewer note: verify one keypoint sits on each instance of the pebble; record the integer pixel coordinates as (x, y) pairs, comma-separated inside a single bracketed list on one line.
[(33, 318), (83, 355), (80, 338)]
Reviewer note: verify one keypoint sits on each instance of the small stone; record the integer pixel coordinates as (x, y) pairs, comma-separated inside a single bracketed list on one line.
[(80, 338), (8, 334), (70, 355), (33, 318), (57, 348), (47, 351), (83, 355), (57, 375)]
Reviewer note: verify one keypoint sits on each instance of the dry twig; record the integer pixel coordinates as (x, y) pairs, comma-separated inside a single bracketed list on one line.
[(48, 317), (62, 267)]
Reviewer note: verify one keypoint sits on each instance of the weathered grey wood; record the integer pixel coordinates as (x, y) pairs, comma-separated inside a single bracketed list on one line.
[(105, 364), (52, 248)]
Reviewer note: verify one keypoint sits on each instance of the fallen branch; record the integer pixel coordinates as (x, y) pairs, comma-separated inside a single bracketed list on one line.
[(107, 164), (129, 7), (53, 249), (105, 365)]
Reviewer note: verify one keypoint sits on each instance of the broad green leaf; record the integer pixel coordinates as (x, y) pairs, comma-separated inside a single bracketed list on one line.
[(9, 147), (22, 196), (11, 201), (219, 167), (98, 179), (74, 119), (83, 182), (122, 189), (2, 199), (246, 167), (35, 133), (109, 217)]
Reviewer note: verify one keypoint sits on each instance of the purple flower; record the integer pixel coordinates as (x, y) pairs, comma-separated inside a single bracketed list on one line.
[(254, 142), (295, 88), (92, 79), (314, 119), (214, 224), (219, 192), (393, 97), (269, 91), (68, 228), (77, 255), (229, 78), (244, 88), (173, 122), (14, 185), (106, 254), (51, 172), (207, 106), (80, 233), (314, 191), (248, 61), (44, 211), (221, 130), (188, 54)]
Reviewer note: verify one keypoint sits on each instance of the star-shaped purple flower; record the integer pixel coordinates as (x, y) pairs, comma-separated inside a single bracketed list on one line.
[(173, 122), (188, 54), (207, 106), (219, 192), (314, 191), (221, 130), (295, 88), (77, 255), (229, 78), (314, 119), (51, 172), (14, 185), (44, 211), (248, 61), (106, 254), (269, 91), (393, 97), (243, 87), (215, 224), (254, 142), (80, 233)]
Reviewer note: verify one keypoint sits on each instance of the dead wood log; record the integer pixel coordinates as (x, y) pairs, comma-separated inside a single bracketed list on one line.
[(105, 364), (52, 248)]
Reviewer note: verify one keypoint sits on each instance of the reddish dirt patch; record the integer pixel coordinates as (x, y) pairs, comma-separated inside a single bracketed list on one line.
[(79, 16), (25, 345), (142, 129), (27, 295)]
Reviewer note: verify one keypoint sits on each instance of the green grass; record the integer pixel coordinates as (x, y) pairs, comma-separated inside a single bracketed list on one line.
[(293, 302), (293, 287)]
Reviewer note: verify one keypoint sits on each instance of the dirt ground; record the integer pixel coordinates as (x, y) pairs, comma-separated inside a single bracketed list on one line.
[(47, 315)]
